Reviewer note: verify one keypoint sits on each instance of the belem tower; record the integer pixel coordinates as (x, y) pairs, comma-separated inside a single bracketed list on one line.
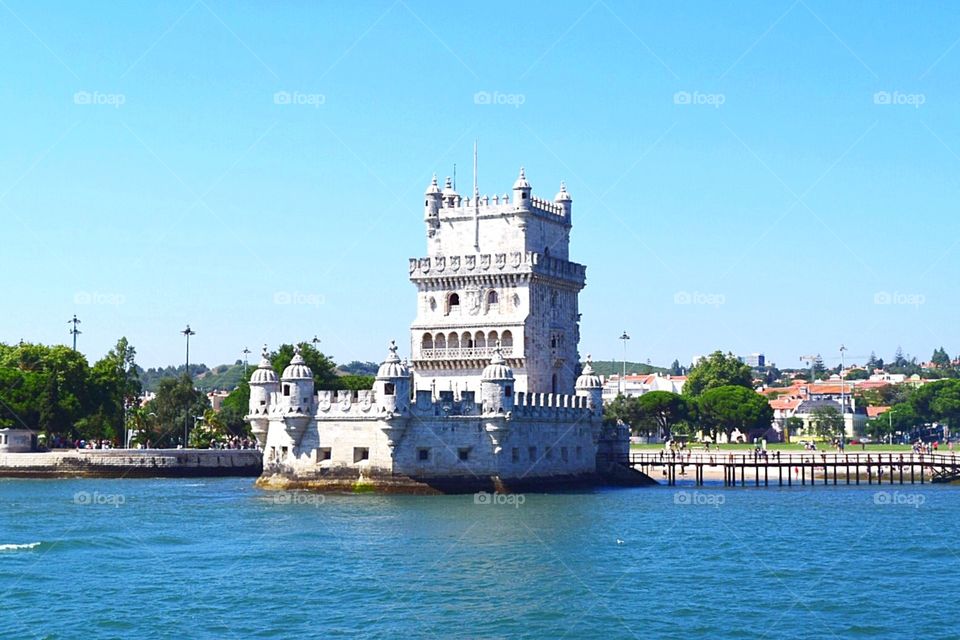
[(491, 396)]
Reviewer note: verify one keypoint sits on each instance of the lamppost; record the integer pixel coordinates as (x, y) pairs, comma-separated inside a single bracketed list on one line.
[(186, 418), (315, 341), (246, 363), (843, 401), (74, 331), (624, 337)]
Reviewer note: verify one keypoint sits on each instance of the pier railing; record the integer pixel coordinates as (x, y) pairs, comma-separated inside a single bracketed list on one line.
[(806, 467)]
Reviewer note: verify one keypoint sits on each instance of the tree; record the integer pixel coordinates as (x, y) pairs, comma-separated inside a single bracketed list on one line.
[(734, 407), (945, 405), (717, 370), (663, 408), (234, 409), (176, 405), (791, 426), (211, 429), (676, 369), (940, 359), (827, 422)]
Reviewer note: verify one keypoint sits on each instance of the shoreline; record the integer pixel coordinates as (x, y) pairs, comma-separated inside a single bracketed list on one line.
[(133, 463)]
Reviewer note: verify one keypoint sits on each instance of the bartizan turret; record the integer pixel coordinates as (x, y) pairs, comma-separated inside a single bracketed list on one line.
[(590, 386), (263, 384), (392, 390), (296, 401), (496, 397)]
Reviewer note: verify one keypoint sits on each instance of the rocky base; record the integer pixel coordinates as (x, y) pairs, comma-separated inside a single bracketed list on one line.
[(402, 484)]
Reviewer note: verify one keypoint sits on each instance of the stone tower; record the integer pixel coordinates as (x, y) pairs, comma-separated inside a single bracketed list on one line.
[(497, 271)]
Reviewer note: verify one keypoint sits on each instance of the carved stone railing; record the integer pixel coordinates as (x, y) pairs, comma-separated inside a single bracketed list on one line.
[(463, 353)]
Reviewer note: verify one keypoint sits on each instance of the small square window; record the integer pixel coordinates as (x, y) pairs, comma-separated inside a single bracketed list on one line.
[(515, 455), (423, 455), (464, 454), (326, 453), (389, 388), (532, 453), (360, 454)]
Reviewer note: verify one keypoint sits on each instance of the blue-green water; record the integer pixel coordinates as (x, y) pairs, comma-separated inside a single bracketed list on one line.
[(221, 559)]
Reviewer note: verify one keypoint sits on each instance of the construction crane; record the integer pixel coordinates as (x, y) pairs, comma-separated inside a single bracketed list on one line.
[(810, 361)]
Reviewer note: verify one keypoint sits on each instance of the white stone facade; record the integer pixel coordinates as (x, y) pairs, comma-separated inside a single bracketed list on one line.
[(492, 391)]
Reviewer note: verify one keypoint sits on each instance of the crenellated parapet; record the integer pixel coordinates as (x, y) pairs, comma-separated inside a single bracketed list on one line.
[(556, 406), (494, 263)]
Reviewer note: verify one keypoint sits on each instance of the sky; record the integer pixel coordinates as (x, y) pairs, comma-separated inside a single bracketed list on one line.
[(776, 176)]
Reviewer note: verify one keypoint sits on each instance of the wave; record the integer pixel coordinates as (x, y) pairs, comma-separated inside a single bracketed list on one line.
[(19, 547)]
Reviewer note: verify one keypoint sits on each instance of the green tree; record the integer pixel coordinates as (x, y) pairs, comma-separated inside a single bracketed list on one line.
[(733, 407), (827, 422), (176, 405), (664, 409), (792, 426), (234, 409), (717, 370), (940, 358)]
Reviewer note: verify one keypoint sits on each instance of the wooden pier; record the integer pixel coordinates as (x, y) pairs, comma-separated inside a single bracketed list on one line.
[(788, 469)]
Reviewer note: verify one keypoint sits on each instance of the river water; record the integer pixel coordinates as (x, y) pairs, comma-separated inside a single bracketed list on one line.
[(220, 559)]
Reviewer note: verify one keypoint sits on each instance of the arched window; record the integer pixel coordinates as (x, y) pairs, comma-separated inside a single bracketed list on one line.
[(453, 341), (554, 383), (453, 302), (506, 340), (480, 340), (492, 298), (466, 340), (427, 342), (440, 342), (492, 338)]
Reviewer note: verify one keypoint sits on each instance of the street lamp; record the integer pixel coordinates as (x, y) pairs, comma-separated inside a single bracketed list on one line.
[(246, 363), (624, 337), (74, 331), (843, 401), (186, 418)]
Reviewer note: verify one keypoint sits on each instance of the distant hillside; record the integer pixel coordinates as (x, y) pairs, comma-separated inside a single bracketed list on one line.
[(358, 368), (225, 377), (609, 367)]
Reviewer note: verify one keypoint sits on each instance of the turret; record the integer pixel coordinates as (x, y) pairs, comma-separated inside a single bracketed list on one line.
[(296, 386), (590, 386), (521, 192), (450, 197), (392, 386), (433, 199), (564, 200), (263, 383), (496, 385)]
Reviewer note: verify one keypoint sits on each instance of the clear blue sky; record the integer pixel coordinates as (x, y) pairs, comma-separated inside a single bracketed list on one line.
[(783, 215)]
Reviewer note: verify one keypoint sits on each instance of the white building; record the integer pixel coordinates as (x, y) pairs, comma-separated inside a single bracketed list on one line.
[(632, 386), (491, 400)]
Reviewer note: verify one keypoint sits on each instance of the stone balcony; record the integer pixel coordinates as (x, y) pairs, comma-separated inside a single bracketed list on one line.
[(463, 353)]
